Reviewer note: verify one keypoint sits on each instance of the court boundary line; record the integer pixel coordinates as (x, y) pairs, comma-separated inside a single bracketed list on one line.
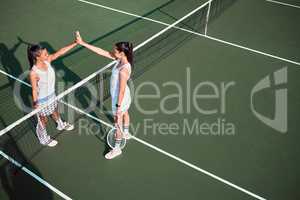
[(33, 175), (176, 158), (226, 182), (89, 77), (282, 3), (193, 32), (61, 101)]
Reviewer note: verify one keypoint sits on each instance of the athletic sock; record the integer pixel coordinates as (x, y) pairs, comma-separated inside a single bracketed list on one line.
[(59, 122), (118, 143), (126, 129)]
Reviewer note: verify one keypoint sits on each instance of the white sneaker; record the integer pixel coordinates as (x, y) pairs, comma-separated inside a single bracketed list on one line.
[(113, 153), (51, 143), (66, 126), (126, 136)]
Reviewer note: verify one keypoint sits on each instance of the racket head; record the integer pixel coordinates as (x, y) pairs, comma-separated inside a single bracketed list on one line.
[(110, 139)]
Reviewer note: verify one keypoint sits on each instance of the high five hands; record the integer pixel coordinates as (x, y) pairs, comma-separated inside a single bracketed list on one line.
[(78, 38)]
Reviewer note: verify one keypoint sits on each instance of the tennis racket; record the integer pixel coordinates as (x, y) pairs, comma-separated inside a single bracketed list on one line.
[(110, 138)]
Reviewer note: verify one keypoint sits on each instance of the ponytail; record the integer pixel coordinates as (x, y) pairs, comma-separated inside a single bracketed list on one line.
[(127, 48), (33, 52), (130, 54), (30, 57)]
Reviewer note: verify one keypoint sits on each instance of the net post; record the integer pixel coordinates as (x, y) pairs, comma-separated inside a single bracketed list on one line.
[(93, 75), (207, 17)]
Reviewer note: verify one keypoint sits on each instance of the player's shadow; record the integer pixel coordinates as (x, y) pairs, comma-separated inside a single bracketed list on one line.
[(110, 117), (22, 98), (143, 61), (68, 75), (12, 66), (9, 62), (15, 182), (71, 77), (141, 65)]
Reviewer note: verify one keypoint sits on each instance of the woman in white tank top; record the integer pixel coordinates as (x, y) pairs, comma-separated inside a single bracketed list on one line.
[(42, 78), (115, 88), (120, 93)]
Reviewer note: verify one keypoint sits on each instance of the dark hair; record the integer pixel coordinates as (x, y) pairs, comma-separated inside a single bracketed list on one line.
[(127, 48), (33, 51)]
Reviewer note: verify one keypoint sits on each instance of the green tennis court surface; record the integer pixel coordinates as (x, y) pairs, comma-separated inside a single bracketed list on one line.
[(213, 125)]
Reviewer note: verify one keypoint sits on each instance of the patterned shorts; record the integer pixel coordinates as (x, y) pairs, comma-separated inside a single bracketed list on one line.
[(49, 109)]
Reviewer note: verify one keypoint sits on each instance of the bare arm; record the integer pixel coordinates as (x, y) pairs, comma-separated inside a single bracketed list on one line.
[(61, 52), (98, 50), (95, 49), (123, 78), (33, 80)]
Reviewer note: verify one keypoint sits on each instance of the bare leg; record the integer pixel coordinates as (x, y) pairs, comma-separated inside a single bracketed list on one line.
[(41, 129), (55, 115), (41, 132), (118, 124), (44, 120), (61, 125), (116, 151), (126, 120)]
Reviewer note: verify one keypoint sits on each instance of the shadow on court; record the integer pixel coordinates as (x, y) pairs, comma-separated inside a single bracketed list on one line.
[(23, 136), (20, 144), (16, 183), (145, 59), (9, 61)]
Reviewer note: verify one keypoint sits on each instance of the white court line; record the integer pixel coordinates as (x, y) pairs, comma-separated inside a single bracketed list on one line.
[(22, 167), (161, 151), (193, 32), (284, 4), (176, 158), (36, 177), (91, 76), (67, 104), (15, 78)]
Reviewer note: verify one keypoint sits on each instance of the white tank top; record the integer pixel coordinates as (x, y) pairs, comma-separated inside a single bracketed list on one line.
[(46, 83), (114, 81)]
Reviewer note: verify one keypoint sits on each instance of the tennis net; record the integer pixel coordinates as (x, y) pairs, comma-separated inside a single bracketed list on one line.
[(163, 44), (91, 92)]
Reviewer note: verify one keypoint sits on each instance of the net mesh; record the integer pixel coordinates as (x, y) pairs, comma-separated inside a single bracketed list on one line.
[(165, 44), (90, 93)]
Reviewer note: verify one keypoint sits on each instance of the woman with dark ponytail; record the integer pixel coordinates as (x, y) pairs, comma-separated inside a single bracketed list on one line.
[(120, 93), (30, 56), (42, 78)]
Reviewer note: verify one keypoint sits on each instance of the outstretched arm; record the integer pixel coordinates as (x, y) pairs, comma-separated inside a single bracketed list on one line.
[(61, 52), (95, 49)]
